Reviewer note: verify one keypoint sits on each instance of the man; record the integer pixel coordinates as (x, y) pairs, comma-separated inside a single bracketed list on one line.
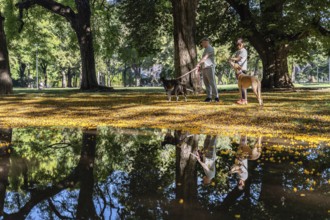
[(239, 63), (207, 159), (207, 65)]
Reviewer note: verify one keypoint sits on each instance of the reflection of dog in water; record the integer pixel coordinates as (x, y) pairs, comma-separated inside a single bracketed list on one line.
[(243, 154), (174, 87)]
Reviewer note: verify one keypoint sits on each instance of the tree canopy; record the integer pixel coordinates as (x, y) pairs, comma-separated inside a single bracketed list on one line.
[(130, 37)]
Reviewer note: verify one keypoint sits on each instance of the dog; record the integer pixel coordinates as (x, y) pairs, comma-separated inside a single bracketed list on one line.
[(244, 82), (174, 87)]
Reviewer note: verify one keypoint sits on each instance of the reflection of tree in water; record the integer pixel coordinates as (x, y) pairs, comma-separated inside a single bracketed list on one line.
[(5, 141), (185, 205), (82, 173), (139, 173), (142, 190)]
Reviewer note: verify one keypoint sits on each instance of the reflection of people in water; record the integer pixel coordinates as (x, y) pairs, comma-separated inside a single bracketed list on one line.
[(243, 154), (207, 159)]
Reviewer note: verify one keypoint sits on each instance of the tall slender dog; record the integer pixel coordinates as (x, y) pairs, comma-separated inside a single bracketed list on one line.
[(245, 81)]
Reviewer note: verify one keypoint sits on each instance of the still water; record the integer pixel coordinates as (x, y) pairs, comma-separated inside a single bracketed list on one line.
[(111, 173)]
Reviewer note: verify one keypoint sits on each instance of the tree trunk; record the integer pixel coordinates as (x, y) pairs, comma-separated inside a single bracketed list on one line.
[(6, 83), (64, 82), (5, 138), (29, 77), (85, 39), (294, 73), (125, 75), (275, 68), (75, 81), (86, 208), (137, 73), (256, 67), (220, 74), (186, 205), (70, 75), (185, 54), (44, 71), (22, 79)]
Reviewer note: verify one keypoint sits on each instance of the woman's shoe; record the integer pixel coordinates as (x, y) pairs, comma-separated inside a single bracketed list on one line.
[(242, 102)]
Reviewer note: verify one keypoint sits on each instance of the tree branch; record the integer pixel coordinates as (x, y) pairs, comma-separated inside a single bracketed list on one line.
[(256, 37), (51, 5), (54, 209), (317, 26), (56, 144)]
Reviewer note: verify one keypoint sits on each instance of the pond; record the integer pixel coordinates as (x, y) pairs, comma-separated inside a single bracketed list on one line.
[(113, 173)]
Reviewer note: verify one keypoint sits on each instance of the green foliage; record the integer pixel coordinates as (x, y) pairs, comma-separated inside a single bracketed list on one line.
[(131, 34), (303, 25), (143, 21)]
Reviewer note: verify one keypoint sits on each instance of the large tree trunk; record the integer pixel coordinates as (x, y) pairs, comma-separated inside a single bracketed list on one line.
[(185, 56), (186, 205), (6, 83), (86, 208), (85, 39), (275, 68), (5, 138)]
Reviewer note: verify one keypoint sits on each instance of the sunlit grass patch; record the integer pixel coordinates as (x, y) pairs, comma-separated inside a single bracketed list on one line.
[(300, 115)]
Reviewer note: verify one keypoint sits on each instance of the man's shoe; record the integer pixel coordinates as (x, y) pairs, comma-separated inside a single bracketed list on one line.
[(208, 100), (216, 99)]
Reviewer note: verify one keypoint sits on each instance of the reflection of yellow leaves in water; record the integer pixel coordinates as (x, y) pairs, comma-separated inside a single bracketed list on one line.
[(181, 201), (4, 144), (302, 195), (237, 216), (295, 189), (293, 115)]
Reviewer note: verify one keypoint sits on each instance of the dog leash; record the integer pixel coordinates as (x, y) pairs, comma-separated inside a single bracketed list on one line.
[(187, 73)]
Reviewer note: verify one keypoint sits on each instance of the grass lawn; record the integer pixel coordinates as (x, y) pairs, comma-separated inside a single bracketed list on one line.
[(301, 114)]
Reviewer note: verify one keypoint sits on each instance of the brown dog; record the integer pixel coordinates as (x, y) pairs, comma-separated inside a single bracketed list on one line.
[(244, 82)]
